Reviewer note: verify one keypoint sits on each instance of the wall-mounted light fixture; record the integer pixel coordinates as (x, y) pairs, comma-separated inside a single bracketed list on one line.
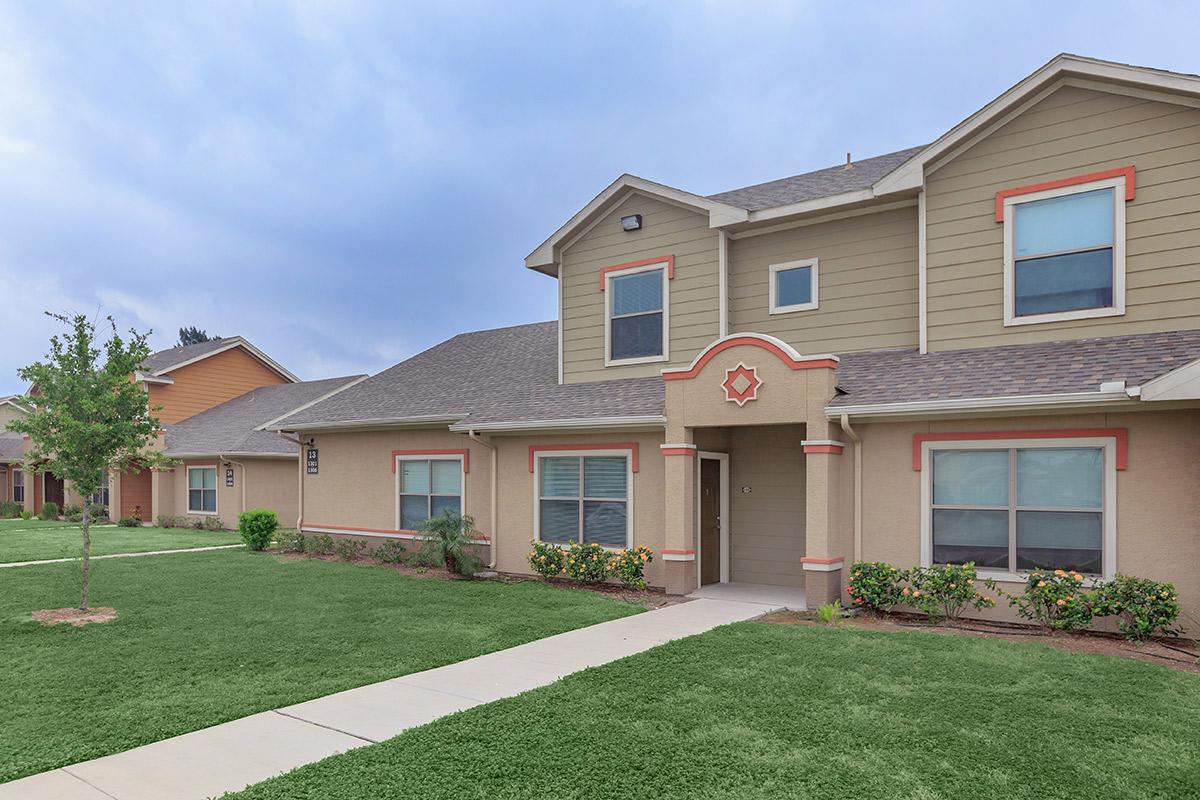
[(631, 223)]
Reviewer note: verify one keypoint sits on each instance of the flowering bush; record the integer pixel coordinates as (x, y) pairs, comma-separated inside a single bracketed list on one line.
[(629, 565), (1144, 608), (1054, 600), (874, 585), (945, 591), (547, 559), (587, 563)]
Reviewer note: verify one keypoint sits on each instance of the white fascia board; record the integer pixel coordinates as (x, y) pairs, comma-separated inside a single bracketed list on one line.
[(810, 206), (911, 174), (228, 455), (1182, 383), (380, 423), (976, 405), (233, 341), (147, 377), (587, 423), (719, 214), (266, 426)]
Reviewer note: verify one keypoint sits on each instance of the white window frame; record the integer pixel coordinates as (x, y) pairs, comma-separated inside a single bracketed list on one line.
[(103, 495), (188, 489), (1109, 503), (625, 453), (774, 271), (609, 361), (1010, 225), (462, 482), (15, 474)]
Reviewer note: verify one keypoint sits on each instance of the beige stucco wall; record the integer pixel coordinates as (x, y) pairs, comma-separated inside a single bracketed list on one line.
[(766, 503), (270, 483), (7, 414), (867, 283), (1073, 132), (693, 294), (1158, 496)]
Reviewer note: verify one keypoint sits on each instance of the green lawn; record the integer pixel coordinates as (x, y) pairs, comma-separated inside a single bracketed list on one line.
[(208, 637), (33, 540), (770, 711)]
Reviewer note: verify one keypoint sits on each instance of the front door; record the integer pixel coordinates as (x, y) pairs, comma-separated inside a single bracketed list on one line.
[(54, 490), (710, 521)]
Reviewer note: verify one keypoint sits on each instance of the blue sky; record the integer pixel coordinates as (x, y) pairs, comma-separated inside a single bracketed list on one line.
[(347, 184)]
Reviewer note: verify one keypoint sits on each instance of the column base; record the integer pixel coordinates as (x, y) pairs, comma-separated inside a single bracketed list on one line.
[(680, 573), (822, 587)]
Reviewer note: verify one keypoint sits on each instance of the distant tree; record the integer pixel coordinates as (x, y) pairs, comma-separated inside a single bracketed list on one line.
[(193, 335), (88, 416)]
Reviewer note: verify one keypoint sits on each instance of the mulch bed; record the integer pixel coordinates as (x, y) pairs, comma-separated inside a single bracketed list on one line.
[(647, 598), (1178, 654), (73, 616)]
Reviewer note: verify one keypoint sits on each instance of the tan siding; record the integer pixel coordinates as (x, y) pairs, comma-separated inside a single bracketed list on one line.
[(1074, 131), (767, 525), (209, 383), (7, 414), (867, 283), (693, 309)]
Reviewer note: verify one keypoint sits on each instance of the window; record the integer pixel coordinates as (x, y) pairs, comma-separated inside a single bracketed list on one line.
[(202, 490), (427, 487), (18, 479), (1064, 253), (584, 499), (793, 286), (100, 498), (636, 322), (1019, 508)]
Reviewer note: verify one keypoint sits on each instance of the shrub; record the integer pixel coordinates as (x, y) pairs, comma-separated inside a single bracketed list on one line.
[(10, 510), (70, 510), (546, 559), (449, 536), (26, 515), (630, 566), (257, 527), (587, 563), (129, 522), (164, 521), (392, 551), (290, 540), (1143, 607), (99, 513), (74, 517), (49, 510), (830, 613), (1054, 600), (350, 549), (320, 544), (944, 591), (196, 522), (874, 585), (213, 524)]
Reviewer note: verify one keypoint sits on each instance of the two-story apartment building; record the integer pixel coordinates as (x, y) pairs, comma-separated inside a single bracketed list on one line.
[(986, 348)]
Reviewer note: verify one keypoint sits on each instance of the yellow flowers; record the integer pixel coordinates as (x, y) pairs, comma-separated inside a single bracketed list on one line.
[(1041, 584), (1060, 573)]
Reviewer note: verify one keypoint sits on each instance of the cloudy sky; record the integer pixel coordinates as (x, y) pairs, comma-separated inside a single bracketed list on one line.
[(348, 183)]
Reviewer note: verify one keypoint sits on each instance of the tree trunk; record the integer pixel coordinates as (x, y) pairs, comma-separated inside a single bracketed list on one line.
[(87, 555), (451, 564)]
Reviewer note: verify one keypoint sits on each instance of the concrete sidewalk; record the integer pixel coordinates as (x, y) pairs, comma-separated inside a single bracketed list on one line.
[(231, 756), (124, 555)]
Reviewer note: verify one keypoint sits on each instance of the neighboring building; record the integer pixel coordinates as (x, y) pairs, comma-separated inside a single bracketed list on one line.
[(13, 481), (229, 464), (986, 348)]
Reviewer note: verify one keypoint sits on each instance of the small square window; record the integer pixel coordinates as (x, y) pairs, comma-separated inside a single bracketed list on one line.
[(793, 286)]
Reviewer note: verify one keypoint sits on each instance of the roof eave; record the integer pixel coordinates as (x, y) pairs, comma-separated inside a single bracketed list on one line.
[(976, 406), (644, 422), (232, 342), (546, 256), (229, 454), (378, 423)]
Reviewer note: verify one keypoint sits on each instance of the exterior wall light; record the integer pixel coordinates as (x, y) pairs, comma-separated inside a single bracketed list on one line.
[(631, 223)]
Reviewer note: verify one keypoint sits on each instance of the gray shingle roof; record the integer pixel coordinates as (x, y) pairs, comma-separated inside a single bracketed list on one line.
[(501, 375), (12, 446), (815, 185), (900, 376), (230, 427), (165, 359)]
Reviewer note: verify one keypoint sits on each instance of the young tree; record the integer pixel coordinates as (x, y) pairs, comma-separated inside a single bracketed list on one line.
[(193, 335), (89, 414)]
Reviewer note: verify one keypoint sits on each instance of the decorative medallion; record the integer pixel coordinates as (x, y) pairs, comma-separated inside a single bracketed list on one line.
[(741, 384)]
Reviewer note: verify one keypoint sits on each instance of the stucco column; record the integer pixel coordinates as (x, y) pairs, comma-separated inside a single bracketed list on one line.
[(679, 514), (826, 460), (155, 506)]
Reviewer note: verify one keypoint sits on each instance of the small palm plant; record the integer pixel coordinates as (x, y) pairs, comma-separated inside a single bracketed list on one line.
[(448, 540)]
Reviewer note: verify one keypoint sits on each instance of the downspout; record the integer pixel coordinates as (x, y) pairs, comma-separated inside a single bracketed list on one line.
[(854, 437), (241, 466), (299, 477), (474, 437)]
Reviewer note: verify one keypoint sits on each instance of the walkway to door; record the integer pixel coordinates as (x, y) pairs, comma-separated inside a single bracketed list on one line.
[(789, 597)]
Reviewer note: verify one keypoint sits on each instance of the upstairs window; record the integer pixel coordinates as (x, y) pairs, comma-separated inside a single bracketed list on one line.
[(794, 286), (1065, 253), (636, 311)]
